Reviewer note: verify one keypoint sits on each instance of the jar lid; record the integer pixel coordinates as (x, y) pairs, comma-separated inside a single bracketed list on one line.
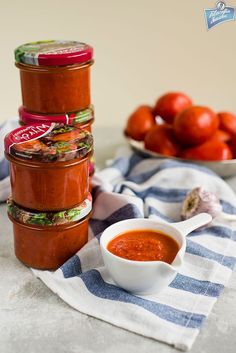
[(49, 218), (53, 53), (80, 117), (48, 142)]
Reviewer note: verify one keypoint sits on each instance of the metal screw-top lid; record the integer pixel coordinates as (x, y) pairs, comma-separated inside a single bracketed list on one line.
[(48, 142), (54, 53), (80, 117), (49, 218)]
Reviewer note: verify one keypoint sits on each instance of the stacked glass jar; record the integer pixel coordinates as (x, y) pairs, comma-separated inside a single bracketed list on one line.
[(50, 154)]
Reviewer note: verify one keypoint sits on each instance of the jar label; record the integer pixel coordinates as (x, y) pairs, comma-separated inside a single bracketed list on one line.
[(27, 133), (50, 142), (81, 116)]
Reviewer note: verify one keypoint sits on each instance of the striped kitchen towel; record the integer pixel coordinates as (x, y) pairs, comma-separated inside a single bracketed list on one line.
[(5, 127), (136, 187)]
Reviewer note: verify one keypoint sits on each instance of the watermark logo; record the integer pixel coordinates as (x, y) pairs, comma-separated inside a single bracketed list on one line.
[(221, 13)]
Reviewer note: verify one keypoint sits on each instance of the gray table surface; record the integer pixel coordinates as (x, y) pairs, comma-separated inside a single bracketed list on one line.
[(35, 320)]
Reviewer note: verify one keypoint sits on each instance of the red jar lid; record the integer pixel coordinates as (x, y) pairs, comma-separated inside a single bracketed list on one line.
[(47, 219), (48, 142), (80, 117), (54, 53)]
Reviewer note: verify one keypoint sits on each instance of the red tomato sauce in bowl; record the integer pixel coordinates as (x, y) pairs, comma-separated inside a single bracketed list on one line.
[(144, 245)]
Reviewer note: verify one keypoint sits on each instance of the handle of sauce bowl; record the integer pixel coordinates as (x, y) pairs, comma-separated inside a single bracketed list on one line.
[(193, 223)]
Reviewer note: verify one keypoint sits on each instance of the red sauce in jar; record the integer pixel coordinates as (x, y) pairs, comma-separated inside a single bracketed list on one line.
[(55, 89), (144, 245), (47, 248), (45, 240), (55, 75)]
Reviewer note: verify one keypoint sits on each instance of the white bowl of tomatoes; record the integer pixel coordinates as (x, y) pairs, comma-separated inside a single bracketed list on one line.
[(175, 128)]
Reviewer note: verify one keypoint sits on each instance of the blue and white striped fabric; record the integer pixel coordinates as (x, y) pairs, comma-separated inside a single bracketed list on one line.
[(137, 187), (4, 167)]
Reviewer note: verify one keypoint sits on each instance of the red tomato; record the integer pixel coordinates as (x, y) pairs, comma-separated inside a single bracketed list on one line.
[(211, 150), (140, 122), (195, 125), (170, 104), (221, 135), (161, 139), (228, 122), (232, 145)]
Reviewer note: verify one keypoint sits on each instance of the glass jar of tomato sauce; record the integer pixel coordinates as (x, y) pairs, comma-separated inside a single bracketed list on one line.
[(55, 75), (49, 165), (46, 240), (82, 119)]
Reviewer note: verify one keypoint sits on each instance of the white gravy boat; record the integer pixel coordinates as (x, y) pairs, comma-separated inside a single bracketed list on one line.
[(147, 277)]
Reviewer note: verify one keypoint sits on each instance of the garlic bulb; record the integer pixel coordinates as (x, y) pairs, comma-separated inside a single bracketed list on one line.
[(199, 200)]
